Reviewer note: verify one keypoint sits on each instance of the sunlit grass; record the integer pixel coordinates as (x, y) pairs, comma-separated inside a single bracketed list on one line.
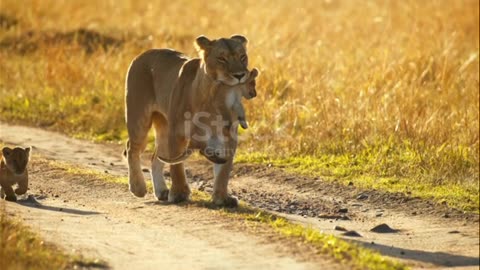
[(343, 251), (391, 92), (393, 168), (20, 248)]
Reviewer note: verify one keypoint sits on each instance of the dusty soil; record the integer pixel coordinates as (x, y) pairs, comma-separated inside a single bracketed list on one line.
[(428, 235), (102, 220)]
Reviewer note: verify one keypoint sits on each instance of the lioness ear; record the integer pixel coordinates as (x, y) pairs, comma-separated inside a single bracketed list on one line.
[(6, 151), (240, 39), (202, 43), (28, 149)]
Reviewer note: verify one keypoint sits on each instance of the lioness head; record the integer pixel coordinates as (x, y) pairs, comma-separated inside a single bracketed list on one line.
[(224, 59), (16, 159)]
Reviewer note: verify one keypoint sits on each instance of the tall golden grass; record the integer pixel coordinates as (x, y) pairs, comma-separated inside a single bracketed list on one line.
[(338, 77)]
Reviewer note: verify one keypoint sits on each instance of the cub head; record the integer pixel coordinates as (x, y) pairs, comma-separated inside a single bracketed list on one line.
[(16, 159), (225, 59), (250, 90)]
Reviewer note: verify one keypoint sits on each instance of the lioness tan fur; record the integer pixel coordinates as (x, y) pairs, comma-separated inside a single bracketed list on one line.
[(166, 89), (13, 170)]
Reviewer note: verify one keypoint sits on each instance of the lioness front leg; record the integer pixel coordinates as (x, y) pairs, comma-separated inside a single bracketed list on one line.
[(161, 142), (159, 186), (220, 187), (179, 191)]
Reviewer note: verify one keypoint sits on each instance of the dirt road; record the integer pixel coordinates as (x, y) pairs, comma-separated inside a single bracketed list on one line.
[(103, 220)]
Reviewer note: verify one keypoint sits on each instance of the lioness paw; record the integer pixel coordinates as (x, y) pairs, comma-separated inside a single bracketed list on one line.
[(11, 198), (229, 201), (20, 191), (162, 195), (138, 190), (177, 197)]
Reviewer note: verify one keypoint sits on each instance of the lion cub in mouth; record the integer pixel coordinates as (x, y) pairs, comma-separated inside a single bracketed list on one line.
[(13, 170), (233, 96)]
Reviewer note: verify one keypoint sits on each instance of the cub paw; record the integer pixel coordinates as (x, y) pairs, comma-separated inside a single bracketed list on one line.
[(20, 191), (229, 201), (162, 195), (178, 196), (11, 198), (139, 190)]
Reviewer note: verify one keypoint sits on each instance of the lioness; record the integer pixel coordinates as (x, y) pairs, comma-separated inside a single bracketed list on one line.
[(13, 170), (163, 88)]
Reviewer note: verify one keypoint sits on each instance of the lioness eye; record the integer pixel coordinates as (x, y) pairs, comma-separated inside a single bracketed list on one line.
[(222, 60), (243, 58)]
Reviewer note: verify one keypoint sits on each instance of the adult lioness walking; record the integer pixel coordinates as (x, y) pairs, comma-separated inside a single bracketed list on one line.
[(162, 88)]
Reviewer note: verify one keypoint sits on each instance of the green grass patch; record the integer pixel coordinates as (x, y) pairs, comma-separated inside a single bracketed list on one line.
[(343, 251), (393, 167), (20, 248), (347, 253)]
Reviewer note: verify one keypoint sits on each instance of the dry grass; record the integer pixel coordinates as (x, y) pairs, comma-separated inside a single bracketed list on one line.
[(390, 87), (20, 249)]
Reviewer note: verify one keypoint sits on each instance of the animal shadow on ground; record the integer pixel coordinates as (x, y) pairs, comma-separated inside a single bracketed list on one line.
[(436, 258), (31, 201), (206, 203)]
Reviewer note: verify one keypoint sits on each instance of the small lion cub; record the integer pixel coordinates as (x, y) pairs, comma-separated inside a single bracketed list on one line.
[(233, 97), (13, 170)]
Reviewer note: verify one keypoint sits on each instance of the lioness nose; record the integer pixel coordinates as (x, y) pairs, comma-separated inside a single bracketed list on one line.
[(239, 76)]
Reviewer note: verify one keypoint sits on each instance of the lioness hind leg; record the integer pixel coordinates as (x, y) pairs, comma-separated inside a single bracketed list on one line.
[(180, 190), (161, 141), (137, 144), (220, 195)]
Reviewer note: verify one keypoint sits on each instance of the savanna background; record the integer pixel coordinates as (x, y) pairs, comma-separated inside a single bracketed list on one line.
[(384, 94)]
